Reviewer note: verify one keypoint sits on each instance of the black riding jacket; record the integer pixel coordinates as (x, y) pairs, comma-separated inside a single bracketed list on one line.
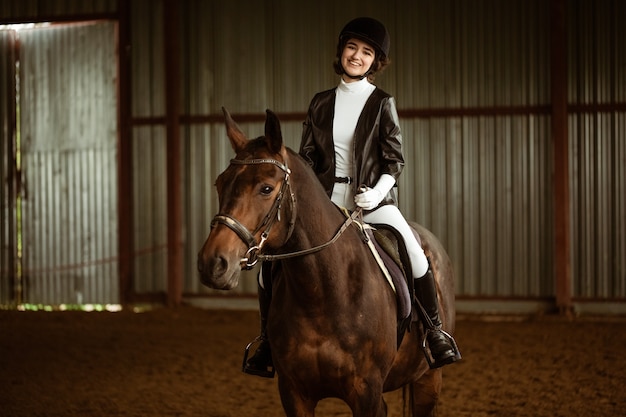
[(377, 141)]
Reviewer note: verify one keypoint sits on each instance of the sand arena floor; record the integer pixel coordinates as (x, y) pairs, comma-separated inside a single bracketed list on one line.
[(186, 362)]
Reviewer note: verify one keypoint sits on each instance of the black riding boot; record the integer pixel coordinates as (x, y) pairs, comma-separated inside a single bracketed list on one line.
[(260, 363), (442, 347)]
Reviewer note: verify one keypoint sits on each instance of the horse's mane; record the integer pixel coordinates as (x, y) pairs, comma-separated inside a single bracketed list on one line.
[(303, 173)]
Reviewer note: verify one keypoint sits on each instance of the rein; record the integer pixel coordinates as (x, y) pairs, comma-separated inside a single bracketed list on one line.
[(252, 254), (318, 248)]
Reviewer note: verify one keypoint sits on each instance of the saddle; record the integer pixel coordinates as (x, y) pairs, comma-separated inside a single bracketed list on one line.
[(394, 260)]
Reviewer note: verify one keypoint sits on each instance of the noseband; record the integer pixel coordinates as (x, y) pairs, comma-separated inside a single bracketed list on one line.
[(252, 256)]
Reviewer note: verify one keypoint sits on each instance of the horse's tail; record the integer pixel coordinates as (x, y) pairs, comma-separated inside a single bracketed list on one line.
[(408, 403)]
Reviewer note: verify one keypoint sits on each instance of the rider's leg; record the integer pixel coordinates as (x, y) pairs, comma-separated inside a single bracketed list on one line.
[(261, 362), (441, 347)]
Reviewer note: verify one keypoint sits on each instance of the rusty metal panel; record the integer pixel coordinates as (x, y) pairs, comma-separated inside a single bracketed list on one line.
[(69, 136)]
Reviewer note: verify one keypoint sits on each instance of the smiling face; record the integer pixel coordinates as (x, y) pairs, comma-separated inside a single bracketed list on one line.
[(356, 59)]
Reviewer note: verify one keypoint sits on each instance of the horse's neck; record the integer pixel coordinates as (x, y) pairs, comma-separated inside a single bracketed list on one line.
[(317, 218), (317, 222)]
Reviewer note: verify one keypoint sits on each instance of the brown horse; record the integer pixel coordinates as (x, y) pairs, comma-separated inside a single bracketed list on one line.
[(332, 323)]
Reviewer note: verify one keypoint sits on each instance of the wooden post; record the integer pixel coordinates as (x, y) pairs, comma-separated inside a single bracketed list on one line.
[(174, 193), (562, 234), (125, 234)]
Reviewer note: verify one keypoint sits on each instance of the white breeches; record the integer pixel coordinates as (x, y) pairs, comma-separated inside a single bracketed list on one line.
[(391, 215)]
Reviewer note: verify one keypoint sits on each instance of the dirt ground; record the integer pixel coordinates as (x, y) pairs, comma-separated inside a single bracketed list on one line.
[(186, 362)]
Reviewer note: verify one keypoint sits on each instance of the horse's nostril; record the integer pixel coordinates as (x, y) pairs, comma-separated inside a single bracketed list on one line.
[(220, 265), (214, 266)]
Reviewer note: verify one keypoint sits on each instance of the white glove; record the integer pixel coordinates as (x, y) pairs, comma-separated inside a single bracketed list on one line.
[(371, 197), (368, 199)]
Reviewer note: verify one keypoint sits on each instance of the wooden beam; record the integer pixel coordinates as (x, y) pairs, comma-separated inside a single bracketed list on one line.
[(174, 191), (562, 233), (125, 232)]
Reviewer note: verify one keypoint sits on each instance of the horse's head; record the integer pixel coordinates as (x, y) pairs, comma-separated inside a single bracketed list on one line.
[(251, 193)]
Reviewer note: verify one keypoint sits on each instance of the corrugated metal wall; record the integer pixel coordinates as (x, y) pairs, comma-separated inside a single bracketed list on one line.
[(481, 183), (149, 156), (473, 88), (7, 184), (597, 63), (472, 82), (20, 9), (69, 137)]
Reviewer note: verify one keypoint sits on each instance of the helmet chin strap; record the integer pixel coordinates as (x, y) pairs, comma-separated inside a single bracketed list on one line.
[(355, 77)]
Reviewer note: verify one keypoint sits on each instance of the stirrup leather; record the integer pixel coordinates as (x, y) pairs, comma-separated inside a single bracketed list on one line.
[(267, 373)]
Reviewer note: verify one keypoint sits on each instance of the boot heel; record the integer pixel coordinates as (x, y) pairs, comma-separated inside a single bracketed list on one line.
[(268, 372), (448, 358)]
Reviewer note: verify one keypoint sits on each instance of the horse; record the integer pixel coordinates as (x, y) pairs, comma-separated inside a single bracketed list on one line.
[(332, 323)]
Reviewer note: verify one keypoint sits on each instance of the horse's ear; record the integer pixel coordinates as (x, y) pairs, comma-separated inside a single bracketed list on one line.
[(237, 139), (273, 135)]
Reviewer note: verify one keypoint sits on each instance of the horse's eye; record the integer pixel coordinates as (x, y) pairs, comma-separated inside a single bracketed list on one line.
[(266, 190)]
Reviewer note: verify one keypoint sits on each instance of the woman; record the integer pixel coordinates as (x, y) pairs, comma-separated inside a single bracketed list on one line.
[(351, 137)]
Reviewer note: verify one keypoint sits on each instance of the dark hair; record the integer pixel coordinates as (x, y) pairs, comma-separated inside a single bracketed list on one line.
[(380, 61)]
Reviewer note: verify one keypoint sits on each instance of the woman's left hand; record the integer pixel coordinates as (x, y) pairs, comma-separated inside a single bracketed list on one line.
[(368, 199)]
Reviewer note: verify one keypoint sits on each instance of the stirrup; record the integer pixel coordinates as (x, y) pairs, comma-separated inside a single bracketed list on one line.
[(432, 363), (267, 373)]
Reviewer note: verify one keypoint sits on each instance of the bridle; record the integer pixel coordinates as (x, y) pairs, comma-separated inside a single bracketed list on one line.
[(252, 255)]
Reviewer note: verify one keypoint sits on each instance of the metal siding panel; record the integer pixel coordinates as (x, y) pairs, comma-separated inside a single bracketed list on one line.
[(7, 218), (619, 259), (496, 171), (148, 65), (34, 8), (303, 50), (209, 151), (452, 62), (597, 154), (150, 214), (69, 153), (233, 66)]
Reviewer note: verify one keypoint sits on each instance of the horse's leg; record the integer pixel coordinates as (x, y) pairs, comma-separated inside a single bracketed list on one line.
[(367, 399), (294, 404), (371, 407), (426, 393)]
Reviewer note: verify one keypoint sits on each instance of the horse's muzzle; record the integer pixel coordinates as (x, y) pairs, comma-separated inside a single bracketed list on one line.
[(217, 273)]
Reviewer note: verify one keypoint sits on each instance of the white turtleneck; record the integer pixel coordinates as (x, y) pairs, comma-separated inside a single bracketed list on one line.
[(349, 102)]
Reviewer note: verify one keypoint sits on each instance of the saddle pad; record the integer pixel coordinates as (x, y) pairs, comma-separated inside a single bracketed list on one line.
[(398, 281)]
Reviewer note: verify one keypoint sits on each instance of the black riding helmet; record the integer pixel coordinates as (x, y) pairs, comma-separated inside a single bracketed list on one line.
[(368, 30)]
